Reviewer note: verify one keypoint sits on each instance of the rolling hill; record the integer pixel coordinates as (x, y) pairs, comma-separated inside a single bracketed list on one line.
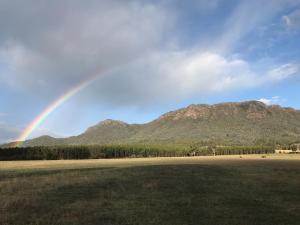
[(250, 122)]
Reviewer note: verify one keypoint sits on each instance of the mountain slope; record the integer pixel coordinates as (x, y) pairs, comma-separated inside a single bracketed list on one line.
[(249, 122), (107, 131)]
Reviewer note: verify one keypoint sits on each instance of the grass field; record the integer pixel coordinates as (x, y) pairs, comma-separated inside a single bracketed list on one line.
[(222, 190)]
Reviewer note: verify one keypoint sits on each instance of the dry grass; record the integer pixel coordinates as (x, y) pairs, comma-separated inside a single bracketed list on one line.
[(225, 190), (95, 163)]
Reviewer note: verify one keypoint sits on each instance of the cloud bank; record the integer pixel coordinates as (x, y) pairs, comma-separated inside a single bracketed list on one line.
[(49, 47), (61, 43)]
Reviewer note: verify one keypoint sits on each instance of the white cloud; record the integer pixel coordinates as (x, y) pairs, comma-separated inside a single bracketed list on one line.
[(287, 21), (173, 76), (271, 101), (283, 72), (204, 72), (247, 17), (292, 20)]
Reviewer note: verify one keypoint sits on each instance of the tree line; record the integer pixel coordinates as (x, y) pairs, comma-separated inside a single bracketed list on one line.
[(125, 151)]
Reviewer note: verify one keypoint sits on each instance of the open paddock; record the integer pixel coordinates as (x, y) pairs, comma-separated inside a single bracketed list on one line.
[(225, 190)]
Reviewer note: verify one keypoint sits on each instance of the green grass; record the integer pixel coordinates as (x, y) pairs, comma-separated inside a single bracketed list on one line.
[(221, 192)]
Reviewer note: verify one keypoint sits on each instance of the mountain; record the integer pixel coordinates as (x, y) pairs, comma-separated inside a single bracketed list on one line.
[(250, 122), (107, 131)]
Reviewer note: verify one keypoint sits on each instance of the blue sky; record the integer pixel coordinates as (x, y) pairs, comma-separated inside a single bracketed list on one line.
[(150, 57)]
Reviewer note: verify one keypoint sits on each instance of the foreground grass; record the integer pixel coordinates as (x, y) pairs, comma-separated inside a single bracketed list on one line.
[(216, 191)]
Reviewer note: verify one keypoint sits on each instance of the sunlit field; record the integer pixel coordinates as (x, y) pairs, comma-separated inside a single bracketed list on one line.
[(231, 190)]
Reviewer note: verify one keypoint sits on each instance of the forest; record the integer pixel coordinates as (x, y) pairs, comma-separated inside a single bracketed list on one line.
[(126, 151)]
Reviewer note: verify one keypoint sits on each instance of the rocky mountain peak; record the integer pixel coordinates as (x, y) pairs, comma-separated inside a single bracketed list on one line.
[(250, 109), (112, 122)]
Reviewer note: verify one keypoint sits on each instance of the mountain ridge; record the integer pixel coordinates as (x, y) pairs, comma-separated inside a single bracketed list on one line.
[(250, 122)]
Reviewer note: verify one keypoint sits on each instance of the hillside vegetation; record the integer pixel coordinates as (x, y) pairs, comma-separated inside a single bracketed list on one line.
[(245, 123)]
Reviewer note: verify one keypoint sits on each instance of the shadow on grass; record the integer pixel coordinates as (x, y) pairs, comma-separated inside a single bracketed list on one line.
[(28, 173), (166, 194)]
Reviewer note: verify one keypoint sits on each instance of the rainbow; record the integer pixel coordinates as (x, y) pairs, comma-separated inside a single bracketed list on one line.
[(50, 108)]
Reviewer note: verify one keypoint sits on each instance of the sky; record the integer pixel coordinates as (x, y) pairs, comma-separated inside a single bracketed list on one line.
[(141, 58)]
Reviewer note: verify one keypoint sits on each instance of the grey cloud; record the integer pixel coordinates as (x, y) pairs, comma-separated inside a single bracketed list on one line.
[(58, 43), (8, 133)]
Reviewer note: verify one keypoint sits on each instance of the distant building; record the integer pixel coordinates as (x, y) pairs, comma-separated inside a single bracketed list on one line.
[(293, 149), (297, 146), (282, 151)]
